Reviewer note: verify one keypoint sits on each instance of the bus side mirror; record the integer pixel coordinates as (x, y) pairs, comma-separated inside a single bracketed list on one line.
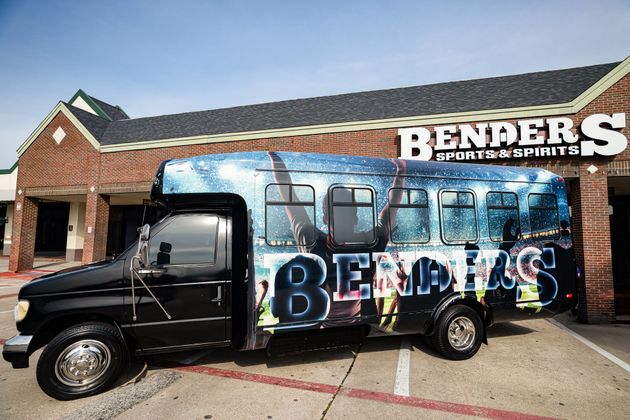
[(145, 232), (143, 253), (143, 245)]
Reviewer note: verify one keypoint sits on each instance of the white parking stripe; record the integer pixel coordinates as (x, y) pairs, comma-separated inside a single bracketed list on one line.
[(625, 366), (6, 312), (401, 387), (10, 287)]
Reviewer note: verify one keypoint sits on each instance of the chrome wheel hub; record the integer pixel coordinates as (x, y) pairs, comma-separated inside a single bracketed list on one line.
[(82, 363), (461, 333)]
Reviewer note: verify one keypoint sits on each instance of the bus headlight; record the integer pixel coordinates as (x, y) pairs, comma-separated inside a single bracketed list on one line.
[(21, 309)]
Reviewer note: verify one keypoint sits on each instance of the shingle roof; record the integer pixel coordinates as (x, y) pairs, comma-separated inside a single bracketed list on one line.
[(93, 123), (530, 89), (114, 112)]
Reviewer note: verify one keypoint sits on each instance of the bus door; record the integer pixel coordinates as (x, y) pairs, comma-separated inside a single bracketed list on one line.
[(190, 275)]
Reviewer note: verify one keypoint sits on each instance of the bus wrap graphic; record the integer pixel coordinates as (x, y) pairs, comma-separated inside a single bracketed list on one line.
[(297, 281), (347, 240)]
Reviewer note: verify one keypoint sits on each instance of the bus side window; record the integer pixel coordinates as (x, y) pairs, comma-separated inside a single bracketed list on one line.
[(458, 217), (352, 213), (503, 217), (282, 200), (187, 239), (543, 215), (411, 223)]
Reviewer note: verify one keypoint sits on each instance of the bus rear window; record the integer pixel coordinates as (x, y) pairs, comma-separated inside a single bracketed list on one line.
[(543, 215), (503, 216)]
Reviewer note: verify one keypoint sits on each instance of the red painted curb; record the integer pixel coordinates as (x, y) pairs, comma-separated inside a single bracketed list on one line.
[(255, 377), (435, 405)]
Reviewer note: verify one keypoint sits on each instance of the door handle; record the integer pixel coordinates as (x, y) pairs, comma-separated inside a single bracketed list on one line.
[(151, 271), (219, 297)]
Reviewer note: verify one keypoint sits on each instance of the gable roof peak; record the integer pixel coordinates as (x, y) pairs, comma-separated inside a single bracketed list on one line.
[(97, 107)]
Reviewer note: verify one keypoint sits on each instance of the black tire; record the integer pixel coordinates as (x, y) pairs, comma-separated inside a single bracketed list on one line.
[(462, 320), (99, 354)]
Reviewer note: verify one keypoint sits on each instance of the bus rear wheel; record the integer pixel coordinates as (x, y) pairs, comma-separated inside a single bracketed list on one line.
[(458, 333)]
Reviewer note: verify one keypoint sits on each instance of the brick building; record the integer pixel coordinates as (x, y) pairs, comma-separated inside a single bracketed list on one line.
[(86, 171)]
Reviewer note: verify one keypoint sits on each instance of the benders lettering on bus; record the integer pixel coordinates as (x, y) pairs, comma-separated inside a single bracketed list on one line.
[(460, 265)]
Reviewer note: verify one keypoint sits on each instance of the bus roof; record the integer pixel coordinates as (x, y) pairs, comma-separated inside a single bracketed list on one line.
[(328, 163)]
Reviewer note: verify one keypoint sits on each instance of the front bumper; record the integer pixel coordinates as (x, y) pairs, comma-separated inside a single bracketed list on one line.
[(15, 350)]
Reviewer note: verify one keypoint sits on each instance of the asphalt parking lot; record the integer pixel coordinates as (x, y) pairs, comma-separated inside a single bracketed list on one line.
[(530, 369)]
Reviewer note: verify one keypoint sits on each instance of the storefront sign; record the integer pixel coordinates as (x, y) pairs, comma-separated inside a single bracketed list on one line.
[(535, 138)]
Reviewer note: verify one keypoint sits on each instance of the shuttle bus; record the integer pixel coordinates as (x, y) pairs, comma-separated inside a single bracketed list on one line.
[(292, 251)]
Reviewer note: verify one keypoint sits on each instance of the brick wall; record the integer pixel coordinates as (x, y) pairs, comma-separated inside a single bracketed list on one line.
[(140, 165), (95, 231), (46, 169), (48, 164), (23, 236), (591, 235)]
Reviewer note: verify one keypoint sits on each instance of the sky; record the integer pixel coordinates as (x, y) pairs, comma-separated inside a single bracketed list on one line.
[(162, 57)]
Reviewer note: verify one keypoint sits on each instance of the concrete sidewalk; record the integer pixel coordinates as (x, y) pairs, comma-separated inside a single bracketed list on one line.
[(613, 338), (41, 266)]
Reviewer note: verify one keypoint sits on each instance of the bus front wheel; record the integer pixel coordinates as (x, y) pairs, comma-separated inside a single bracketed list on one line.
[(458, 333), (81, 361)]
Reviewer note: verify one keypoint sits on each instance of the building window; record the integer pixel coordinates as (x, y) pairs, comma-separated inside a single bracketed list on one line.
[(543, 215), (352, 212), (281, 201), (503, 217), (411, 223), (459, 217), (187, 239)]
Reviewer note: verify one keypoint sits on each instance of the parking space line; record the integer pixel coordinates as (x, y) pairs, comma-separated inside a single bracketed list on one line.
[(625, 366), (401, 386), (418, 402), (6, 312)]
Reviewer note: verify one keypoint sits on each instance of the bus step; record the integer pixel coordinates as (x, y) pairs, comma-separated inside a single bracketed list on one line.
[(307, 341)]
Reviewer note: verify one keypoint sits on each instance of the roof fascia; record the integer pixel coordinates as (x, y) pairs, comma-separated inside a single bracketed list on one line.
[(602, 85), (56, 110), (9, 170)]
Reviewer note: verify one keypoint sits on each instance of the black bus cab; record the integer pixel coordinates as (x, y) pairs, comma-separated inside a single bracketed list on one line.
[(292, 250)]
